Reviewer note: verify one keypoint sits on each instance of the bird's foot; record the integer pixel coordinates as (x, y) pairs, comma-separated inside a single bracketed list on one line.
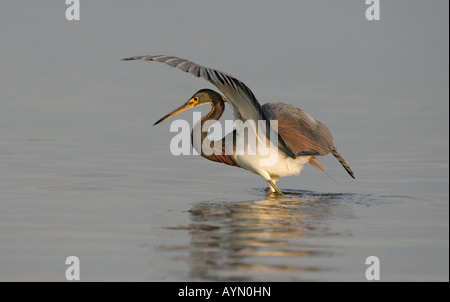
[(273, 187)]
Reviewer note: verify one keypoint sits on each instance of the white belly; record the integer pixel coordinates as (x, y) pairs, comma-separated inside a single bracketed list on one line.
[(270, 163), (284, 166)]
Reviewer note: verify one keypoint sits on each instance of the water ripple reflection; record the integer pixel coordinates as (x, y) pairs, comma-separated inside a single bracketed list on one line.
[(239, 240)]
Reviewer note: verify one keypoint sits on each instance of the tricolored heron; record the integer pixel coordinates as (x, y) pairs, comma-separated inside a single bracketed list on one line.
[(300, 137)]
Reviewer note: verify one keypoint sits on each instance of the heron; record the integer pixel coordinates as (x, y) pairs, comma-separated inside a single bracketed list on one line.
[(299, 137)]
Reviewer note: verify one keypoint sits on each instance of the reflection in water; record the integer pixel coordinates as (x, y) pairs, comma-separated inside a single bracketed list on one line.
[(239, 240)]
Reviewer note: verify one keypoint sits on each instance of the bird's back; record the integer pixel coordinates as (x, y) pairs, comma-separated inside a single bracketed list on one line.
[(302, 133)]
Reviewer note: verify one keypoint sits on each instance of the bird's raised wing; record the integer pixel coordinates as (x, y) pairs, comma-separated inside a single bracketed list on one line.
[(245, 105)]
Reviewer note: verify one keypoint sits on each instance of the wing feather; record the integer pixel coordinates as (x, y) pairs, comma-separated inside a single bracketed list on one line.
[(303, 134)]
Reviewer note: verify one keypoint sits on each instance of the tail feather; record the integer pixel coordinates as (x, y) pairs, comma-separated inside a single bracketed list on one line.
[(343, 162), (315, 163)]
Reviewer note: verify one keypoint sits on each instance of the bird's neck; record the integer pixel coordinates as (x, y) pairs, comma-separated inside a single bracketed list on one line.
[(215, 113), (201, 141)]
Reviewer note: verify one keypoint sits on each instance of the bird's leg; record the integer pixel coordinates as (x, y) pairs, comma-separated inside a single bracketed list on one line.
[(270, 189), (271, 182), (273, 187)]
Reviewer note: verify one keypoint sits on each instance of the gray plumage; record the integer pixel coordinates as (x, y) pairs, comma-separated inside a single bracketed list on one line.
[(302, 122), (319, 140)]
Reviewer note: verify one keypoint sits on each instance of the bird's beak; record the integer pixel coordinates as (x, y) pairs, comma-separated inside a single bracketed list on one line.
[(190, 104)]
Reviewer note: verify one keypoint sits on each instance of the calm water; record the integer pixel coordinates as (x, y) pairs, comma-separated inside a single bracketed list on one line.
[(83, 173)]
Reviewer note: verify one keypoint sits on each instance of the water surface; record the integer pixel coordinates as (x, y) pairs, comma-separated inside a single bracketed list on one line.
[(83, 173)]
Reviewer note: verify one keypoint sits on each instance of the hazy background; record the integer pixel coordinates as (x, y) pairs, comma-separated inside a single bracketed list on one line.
[(83, 172)]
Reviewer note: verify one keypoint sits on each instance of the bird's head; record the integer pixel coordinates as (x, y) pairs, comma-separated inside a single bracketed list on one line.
[(201, 97)]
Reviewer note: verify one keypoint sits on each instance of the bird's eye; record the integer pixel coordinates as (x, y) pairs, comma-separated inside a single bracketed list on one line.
[(196, 99)]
